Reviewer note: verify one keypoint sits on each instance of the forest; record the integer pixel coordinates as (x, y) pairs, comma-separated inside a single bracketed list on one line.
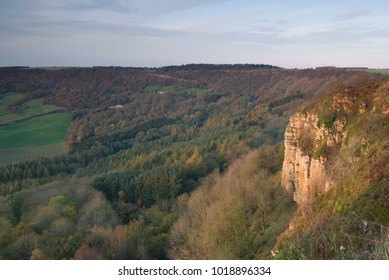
[(150, 153)]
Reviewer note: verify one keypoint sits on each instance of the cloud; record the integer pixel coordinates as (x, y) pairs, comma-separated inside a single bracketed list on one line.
[(154, 32), (122, 6), (68, 28), (51, 17), (350, 15), (157, 8)]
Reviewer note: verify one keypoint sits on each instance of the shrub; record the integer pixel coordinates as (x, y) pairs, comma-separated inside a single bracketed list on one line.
[(306, 141), (326, 118), (322, 150)]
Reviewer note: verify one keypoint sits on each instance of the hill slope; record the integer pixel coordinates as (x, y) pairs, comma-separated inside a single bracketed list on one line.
[(336, 166)]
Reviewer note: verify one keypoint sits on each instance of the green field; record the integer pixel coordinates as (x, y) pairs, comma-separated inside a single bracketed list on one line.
[(379, 71), (43, 130), (7, 100), (27, 110), (10, 99), (175, 89), (31, 129)]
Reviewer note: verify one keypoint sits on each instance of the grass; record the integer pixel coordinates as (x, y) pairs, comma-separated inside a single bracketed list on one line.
[(379, 71), (28, 110), (42, 130), (31, 130), (7, 100), (11, 98), (175, 89), (35, 129)]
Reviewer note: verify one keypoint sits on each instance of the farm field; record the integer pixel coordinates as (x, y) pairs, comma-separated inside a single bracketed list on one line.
[(7, 100), (42, 130), (25, 111), (379, 71), (31, 129)]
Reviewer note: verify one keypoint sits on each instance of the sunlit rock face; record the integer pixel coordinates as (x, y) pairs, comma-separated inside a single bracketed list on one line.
[(309, 141), (302, 175)]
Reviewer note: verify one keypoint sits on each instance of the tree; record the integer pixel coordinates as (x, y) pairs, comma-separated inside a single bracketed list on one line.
[(97, 211), (86, 253), (195, 158), (22, 248), (37, 254)]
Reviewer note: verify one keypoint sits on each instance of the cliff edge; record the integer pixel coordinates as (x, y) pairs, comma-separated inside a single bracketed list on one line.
[(314, 137), (336, 166)]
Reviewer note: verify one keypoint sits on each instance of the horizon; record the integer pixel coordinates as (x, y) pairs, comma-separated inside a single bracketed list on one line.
[(150, 33), (275, 67)]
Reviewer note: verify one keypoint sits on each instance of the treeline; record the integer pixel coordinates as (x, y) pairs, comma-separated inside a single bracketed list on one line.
[(23, 175), (77, 88), (208, 67), (85, 89)]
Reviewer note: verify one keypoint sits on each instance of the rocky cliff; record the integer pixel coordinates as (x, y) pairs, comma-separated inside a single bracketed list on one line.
[(303, 175), (316, 135)]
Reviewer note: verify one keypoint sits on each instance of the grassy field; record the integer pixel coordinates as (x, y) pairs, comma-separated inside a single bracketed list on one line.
[(27, 110), (379, 71), (175, 89), (42, 130), (34, 129), (7, 100)]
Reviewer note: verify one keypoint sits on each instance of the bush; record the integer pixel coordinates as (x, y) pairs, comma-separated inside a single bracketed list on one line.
[(306, 141), (322, 151)]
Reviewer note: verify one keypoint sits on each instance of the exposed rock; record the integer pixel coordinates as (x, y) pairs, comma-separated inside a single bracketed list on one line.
[(306, 139), (303, 175), (381, 98)]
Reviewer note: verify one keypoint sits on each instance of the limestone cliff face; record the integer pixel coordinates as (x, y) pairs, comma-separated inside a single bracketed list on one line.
[(303, 174), (312, 136)]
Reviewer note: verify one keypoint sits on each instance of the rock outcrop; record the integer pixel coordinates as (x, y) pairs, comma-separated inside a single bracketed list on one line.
[(312, 136), (303, 174)]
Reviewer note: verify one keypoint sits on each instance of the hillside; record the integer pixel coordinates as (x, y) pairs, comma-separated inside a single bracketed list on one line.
[(336, 167), (145, 146)]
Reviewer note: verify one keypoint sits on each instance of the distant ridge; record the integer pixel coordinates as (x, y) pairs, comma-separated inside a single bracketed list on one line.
[(203, 66)]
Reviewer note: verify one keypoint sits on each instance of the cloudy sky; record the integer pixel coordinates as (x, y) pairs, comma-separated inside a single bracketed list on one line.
[(293, 33)]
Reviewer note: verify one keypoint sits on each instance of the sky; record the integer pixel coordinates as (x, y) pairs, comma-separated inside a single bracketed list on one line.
[(153, 33)]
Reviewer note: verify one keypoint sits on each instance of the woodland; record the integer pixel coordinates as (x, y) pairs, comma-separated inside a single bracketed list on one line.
[(178, 162)]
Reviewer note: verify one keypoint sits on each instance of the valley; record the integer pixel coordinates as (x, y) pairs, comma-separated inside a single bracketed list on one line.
[(189, 162)]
